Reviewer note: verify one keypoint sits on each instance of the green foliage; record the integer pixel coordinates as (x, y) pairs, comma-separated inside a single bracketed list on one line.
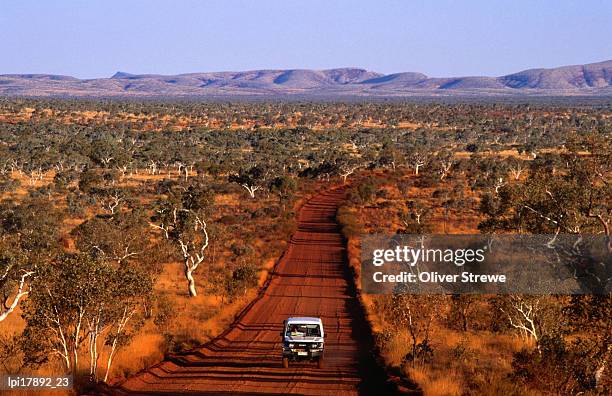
[(89, 180), (8, 184), (364, 193), (76, 289), (11, 354), (349, 222), (284, 187), (244, 276), (35, 222), (64, 179), (123, 237), (165, 311), (558, 366), (251, 176)]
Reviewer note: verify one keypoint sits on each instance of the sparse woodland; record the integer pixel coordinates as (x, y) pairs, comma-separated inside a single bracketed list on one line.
[(128, 223)]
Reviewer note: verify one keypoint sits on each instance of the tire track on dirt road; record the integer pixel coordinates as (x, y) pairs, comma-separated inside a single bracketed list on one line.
[(311, 279)]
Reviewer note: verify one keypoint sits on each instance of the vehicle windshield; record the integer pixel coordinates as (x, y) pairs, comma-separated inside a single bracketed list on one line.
[(303, 330)]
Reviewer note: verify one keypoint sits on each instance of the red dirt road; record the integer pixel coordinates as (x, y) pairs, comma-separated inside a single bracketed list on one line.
[(311, 279)]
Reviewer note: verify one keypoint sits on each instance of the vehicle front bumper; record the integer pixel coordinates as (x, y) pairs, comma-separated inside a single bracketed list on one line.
[(297, 353)]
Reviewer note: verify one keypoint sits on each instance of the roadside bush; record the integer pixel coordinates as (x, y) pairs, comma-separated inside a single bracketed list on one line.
[(365, 192), (349, 222), (241, 279), (462, 352), (240, 249), (181, 342), (165, 311), (557, 366), (421, 354)]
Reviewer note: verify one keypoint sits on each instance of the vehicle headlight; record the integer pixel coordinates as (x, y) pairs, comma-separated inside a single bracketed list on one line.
[(291, 345)]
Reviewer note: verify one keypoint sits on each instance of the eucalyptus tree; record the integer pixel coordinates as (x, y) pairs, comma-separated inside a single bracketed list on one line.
[(347, 164), (417, 314), (417, 155), (29, 238), (284, 186), (76, 302), (121, 238), (251, 179), (445, 160), (389, 155), (15, 274), (181, 218)]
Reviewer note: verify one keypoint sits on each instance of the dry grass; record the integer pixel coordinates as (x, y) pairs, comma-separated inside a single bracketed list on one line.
[(193, 321), (475, 362), (196, 321), (447, 383), (472, 362)]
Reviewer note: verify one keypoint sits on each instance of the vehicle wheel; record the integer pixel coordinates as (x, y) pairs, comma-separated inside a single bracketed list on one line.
[(320, 362), (285, 362)]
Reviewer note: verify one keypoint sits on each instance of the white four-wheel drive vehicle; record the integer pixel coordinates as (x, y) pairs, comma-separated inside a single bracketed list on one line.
[(303, 339)]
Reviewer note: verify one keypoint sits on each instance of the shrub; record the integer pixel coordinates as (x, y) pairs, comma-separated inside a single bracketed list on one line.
[(165, 311), (240, 249), (557, 366), (241, 279), (181, 342), (8, 184)]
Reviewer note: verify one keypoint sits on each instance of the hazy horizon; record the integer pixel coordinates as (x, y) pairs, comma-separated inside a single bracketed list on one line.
[(439, 39)]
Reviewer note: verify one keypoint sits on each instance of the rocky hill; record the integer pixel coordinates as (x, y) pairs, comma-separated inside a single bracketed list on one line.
[(590, 79)]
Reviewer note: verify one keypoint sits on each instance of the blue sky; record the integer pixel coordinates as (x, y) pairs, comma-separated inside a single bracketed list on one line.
[(439, 38)]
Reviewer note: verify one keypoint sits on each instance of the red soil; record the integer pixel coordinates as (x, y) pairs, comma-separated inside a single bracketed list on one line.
[(311, 279)]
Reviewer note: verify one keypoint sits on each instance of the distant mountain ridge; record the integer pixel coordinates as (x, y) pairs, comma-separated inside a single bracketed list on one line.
[(589, 79)]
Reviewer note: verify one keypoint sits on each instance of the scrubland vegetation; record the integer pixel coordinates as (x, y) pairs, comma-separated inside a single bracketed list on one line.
[(133, 229), (492, 344)]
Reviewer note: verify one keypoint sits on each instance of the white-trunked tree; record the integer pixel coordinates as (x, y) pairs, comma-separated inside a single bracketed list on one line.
[(28, 238), (251, 180), (15, 274), (181, 218), (81, 303), (417, 157)]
